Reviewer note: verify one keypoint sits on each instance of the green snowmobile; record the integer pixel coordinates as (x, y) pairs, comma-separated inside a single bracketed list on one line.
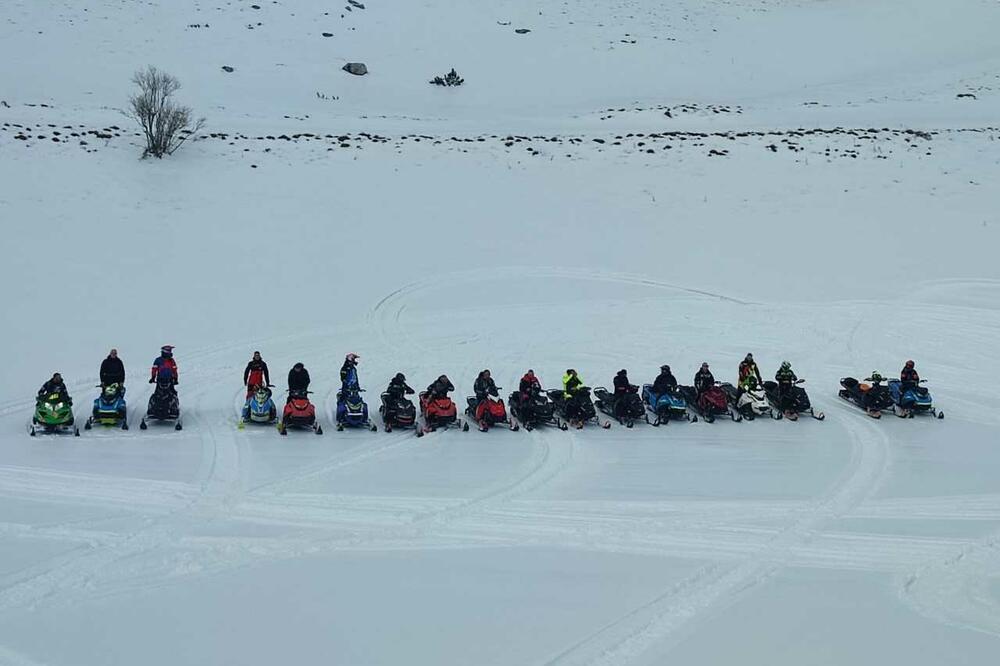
[(53, 414)]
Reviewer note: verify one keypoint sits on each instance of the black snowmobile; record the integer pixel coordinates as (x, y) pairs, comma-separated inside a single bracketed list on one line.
[(631, 410), (873, 397), (579, 409), (795, 401), (164, 405), (536, 410), (398, 412)]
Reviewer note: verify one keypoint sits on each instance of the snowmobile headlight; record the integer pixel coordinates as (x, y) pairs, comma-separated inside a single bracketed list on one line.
[(56, 407)]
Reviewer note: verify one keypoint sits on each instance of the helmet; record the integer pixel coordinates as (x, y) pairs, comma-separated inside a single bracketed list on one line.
[(400, 377), (623, 371), (785, 365), (704, 366), (909, 364), (876, 377), (298, 366), (664, 368), (749, 357), (167, 350), (352, 357)]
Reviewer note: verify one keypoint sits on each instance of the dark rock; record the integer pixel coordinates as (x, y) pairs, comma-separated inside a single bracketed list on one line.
[(227, 68), (522, 31), (356, 68), (328, 34)]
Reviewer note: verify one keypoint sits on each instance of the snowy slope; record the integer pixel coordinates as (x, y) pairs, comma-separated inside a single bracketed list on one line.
[(797, 179)]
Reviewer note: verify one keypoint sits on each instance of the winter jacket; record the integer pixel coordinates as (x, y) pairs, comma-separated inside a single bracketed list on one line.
[(748, 369), (704, 380), (50, 387), (164, 366), (484, 386), (909, 375), (571, 383), (622, 384), (398, 388), (785, 377), (664, 383), (440, 389), (256, 374), (298, 380), (112, 371), (349, 373), (529, 385)]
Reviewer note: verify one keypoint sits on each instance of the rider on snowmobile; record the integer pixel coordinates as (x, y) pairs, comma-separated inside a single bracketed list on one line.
[(484, 386), (298, 379), (112, 370), (349, 373), (55, 385), (440, 387), (398, 387), (164, 366), (665, 382), (786, 380), (529, 386), (622, 388), (703, 380), (908, 378), (256, 374), (571, 384), (748, 368)]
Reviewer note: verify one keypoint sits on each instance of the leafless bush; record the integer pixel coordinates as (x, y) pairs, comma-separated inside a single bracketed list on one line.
[(165, 125)]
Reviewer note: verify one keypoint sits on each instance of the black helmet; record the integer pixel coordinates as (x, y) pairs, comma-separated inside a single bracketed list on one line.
[(664, 368), (622, 372), (400, 377), (298, 366)]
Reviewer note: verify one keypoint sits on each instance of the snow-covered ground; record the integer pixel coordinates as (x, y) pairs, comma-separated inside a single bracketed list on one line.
[(628, 184)]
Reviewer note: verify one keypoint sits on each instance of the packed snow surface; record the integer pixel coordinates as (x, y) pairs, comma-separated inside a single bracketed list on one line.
[(627, 184)]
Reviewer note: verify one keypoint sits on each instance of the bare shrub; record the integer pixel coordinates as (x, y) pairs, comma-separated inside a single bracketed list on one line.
[(165, 125)]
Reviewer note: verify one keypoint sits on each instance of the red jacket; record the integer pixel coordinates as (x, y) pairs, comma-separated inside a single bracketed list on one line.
[(161, 364)]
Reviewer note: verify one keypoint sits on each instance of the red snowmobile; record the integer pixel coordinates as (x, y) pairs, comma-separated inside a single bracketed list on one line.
[(488, 412), (299, 412), (438, 412)]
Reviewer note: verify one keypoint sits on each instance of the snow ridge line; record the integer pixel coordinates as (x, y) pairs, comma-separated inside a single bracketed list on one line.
[(659, 621)]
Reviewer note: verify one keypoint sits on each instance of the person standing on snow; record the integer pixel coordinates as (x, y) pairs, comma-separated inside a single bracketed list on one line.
[(165, 367), (349, 373), (112, 370), (256, 374)]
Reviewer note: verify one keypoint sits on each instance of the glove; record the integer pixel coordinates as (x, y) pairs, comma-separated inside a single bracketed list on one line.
[(152, 381)]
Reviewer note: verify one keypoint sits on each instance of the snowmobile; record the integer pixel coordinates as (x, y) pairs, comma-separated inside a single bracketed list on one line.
[(53, 414), (709, 404), (914, 400), (260, 407), (751, 402), (577, 410), (399, 413), (873, 398), (632, 411), (164, 405), (352, 411), (299, 412), (535, 411), (488, 412), (793, 404), (109, 408), (666, 406), (439, 412)]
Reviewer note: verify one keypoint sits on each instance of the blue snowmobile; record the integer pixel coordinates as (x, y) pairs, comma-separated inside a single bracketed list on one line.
[(914, 400), (109, 408), (352, 411), (260, 407), (666, 406)]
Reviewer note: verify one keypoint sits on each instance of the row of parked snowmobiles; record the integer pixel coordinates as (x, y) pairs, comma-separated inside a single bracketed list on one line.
[(54, 412), (904, 400)]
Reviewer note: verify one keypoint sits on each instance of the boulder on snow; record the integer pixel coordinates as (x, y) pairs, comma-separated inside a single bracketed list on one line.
[(228, 69), (356, 68), (522, 31)]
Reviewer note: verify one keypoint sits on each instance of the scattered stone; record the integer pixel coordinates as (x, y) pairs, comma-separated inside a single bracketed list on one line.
[(227, 68), (968, 95), (328, 34), (522, 31), (356, 68), (355, 3)]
